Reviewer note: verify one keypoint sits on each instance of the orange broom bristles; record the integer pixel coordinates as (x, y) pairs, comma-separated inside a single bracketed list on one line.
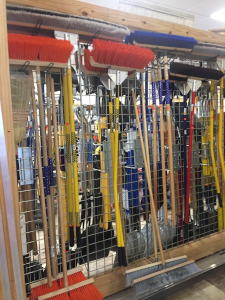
[(26, 47), (42, 290), (88, 291), (122, 55), (88, 66)]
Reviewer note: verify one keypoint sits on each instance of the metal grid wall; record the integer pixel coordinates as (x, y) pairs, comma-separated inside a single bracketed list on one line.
[(97, 210)]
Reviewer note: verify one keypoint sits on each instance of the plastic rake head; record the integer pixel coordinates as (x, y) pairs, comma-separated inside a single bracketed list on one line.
[(43, 289)]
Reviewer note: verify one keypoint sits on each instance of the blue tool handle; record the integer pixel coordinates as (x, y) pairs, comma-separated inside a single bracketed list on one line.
[(50, 171), (153, 94), (167, 92), (160, 93), (89, 152), (46, 180)]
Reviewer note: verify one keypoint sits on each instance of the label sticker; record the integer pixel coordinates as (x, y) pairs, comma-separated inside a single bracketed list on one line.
[(52, 251), (38, 78), (74, 147)]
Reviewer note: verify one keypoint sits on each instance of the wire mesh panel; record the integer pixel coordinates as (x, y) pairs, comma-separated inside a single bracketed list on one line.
[(196, 214)]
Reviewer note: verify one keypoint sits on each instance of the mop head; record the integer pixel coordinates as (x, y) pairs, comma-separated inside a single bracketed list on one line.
[(160, 279), (136, 273), (156, 39), (26, 47), (121, 55), (60, 20)]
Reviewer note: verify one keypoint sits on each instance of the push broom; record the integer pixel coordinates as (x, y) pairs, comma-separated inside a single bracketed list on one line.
[(68, 156), (19, 51), (75, 285), (159, 274), (51, 184), (162, 141), (154, 120), (74, 156), (119, 57), (163, 41)]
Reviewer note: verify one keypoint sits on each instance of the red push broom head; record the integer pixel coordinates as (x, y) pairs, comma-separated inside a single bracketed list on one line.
[(122, 55), (26, 47), (42, 290)]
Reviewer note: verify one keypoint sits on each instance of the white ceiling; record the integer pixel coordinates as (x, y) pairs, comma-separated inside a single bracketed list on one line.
[(200, 9)]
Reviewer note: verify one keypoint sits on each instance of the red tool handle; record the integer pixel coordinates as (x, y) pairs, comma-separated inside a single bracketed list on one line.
[(189, 157)]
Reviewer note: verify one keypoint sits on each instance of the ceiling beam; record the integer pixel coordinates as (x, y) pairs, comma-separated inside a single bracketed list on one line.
[(79, 8)]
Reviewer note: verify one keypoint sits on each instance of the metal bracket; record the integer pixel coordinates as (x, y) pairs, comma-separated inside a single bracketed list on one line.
[(138, 155), (107, 81), (117, 77), (25, 165), (195, 155), (176, 157), (107, 156)]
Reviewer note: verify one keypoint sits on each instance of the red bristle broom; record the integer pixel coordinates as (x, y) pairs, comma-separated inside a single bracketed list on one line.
[(113, 54), (75, 286), (26, 47)]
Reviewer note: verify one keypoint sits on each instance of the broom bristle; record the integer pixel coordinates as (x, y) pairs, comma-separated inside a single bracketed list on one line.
[(26, 47), (122, 55), (116, 54), (43, 289), (88, 66), (88, 291)]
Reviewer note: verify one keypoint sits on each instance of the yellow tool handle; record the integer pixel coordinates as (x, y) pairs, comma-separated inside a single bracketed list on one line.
[(212, 152), (73, 143), (120, 240), (68, 154)]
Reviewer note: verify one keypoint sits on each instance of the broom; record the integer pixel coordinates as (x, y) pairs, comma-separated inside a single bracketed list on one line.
[(49, 286), (176, 269), (68, 156), (220, 136), (124, 58), (74, 156), (154, 120), (211, 148), (170, 42), (162, 141), (51, 184), (89, 291)]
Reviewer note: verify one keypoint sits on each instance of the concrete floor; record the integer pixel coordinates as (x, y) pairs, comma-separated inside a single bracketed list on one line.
[(212, 288)]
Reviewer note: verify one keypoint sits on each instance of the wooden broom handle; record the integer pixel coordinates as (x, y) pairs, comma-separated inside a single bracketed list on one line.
[(162, 145), (154, 140), (45, 162), (59, 188), (41, 186), (148, 162), (169, 130), (49, 115), (148, 175)]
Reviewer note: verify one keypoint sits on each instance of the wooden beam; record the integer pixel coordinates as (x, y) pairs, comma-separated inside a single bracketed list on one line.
[(113, 281), (120, 17), (6, 106)]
